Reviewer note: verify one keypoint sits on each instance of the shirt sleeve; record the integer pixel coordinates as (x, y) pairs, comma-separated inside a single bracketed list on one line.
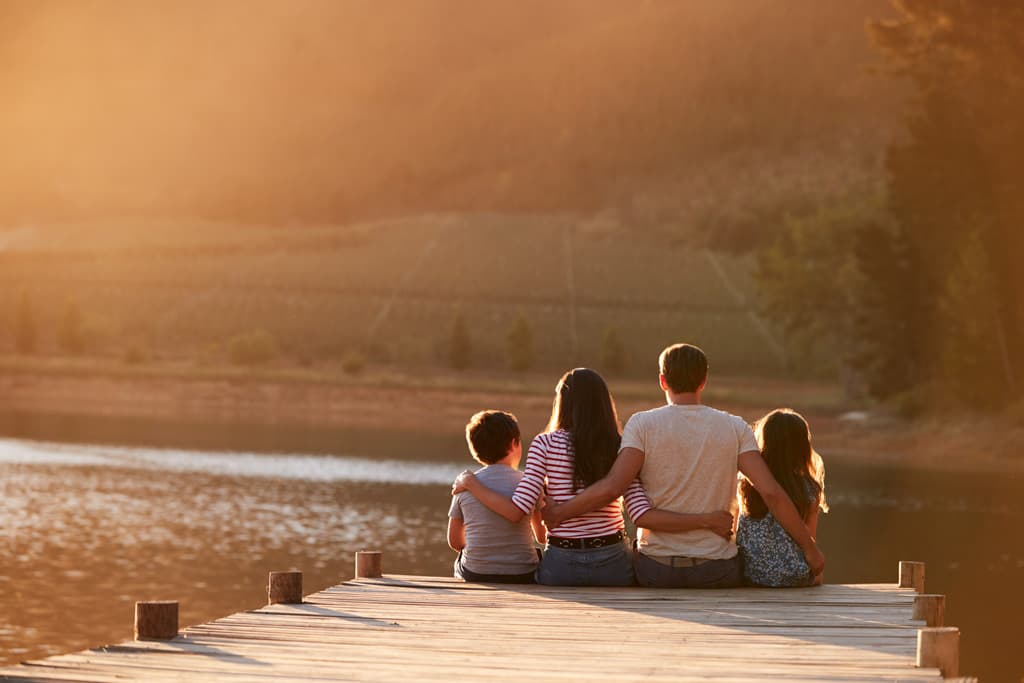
[(634, 435), (455, 510), (746, 437), (636, 500), (531, 486)]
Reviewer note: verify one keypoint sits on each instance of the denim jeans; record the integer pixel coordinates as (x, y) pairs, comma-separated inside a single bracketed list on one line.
[(461, 572), (710, 574), (608, 566)]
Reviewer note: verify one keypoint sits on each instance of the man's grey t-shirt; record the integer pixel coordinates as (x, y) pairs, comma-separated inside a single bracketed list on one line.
[(494, 545)]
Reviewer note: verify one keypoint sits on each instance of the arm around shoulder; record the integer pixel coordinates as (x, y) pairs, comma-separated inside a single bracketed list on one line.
[(754, 468), (627, 465)]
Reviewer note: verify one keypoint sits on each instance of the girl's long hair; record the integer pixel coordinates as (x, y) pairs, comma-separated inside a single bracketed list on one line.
[(584, 407), (785, 441)]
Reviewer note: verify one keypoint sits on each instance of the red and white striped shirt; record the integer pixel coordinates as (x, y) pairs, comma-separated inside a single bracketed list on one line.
[(549, 464)]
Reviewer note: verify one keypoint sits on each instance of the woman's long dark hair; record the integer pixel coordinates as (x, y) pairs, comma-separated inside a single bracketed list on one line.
[(584, 408), (785, 441)]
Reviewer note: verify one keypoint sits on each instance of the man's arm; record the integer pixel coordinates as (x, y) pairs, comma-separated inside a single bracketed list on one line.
[(624, 470), (662, 520), (812, 520), (456, 534), (754, 468), (539, 532)]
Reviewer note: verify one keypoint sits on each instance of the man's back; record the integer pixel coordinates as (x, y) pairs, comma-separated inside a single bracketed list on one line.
[(690, 466)]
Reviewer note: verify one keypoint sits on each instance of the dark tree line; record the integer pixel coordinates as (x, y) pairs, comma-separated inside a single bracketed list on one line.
[(936, 298)]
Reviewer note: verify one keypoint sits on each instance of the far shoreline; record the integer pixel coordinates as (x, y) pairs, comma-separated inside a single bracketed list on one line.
[(290, 402)]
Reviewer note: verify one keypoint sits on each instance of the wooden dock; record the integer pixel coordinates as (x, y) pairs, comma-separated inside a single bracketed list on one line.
[(414, 628)]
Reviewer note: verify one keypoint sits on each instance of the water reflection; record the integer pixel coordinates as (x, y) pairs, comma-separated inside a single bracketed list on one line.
[(91, 529)]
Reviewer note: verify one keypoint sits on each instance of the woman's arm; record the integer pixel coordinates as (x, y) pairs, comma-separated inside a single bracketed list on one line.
[(719, 522), (492, 499), (456, 534)]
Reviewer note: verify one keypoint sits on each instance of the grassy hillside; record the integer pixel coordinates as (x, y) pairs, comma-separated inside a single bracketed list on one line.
[(712, 114), (390, 290)]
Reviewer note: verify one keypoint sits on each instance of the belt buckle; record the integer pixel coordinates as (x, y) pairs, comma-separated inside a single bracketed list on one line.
[(597, 543)]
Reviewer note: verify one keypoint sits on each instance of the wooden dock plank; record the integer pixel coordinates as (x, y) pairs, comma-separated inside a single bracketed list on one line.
[(439, 629)]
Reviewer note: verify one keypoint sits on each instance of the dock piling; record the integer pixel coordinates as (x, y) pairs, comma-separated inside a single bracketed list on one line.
[(368, 564), (912, 575), (930, 608), (156, 620), (284, 588), (939, 648)]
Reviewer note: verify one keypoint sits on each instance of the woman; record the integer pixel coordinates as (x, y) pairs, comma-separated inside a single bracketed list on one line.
[(577, 449)]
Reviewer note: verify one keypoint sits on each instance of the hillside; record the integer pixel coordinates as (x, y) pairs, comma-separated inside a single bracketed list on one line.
[(714, 116), (390, 290)]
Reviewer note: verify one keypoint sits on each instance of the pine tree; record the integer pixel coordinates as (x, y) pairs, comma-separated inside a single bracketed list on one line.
[(25, 329), (519, 344), (613, 352), (460, 347)]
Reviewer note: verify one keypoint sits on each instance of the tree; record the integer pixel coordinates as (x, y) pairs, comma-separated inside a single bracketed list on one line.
[(25, 328), (519, 344), (958, 176), (460, 346), (70, 333), (806, 281), (974, 359), (613, 352), (888, 321)]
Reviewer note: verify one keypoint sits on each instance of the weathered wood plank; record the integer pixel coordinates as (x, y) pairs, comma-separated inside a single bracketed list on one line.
[(439, 629)]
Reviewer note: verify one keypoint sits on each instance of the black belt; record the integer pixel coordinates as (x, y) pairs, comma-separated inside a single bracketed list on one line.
[(585, 543)]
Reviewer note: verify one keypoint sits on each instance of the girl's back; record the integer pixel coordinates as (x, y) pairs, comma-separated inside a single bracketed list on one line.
[(770, 556)]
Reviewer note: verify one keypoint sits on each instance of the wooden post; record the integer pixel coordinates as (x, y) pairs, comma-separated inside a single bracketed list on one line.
[(368, 564), (156, 620), (939, 648), (284, 588), (931, 609), (912, 575)]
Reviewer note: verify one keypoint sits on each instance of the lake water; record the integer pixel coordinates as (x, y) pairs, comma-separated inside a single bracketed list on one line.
[(89, 529)]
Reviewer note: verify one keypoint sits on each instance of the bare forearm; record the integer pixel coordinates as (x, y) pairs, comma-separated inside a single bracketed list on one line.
[(592, 498), (786, 514), (539, 532), (495, 501), (663, 520)]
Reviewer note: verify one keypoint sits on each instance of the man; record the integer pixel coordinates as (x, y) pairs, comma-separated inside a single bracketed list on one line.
[(687, 455)]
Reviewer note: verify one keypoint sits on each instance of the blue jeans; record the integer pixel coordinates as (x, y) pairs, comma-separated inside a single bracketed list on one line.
[(709, 574), (608, 566)]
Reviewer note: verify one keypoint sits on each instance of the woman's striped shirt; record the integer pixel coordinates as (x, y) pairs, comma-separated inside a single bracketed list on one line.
[(549, 464)]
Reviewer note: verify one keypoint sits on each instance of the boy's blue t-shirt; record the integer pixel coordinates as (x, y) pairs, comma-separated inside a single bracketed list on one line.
[(494, 545)]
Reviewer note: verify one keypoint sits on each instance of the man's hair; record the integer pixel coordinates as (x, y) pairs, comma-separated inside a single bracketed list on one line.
[(684, 366), (490, 434)]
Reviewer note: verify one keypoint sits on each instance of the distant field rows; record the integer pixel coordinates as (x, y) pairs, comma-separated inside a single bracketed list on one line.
[(378, 289)]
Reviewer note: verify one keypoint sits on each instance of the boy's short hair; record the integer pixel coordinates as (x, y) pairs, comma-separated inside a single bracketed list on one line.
[(684, 366), (490, 434)]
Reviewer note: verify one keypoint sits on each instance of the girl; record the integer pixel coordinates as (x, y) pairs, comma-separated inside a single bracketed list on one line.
[(577, 449), (770, 557)]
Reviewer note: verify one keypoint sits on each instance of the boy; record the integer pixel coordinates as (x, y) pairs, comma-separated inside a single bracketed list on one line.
[(492, 549)]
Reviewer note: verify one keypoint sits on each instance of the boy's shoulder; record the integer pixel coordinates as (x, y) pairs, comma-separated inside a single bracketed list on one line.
[(498, 473)]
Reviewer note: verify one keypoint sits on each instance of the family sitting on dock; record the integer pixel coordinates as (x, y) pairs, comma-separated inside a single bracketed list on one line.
[(675, 471)]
